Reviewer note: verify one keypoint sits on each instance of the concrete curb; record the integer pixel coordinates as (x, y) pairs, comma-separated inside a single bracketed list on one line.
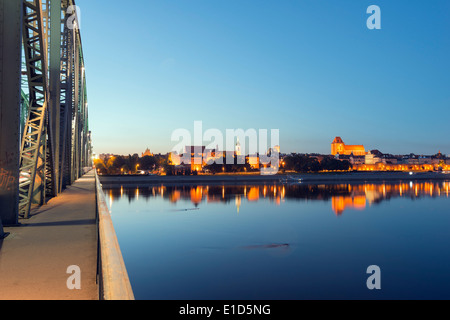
[(114, 281)]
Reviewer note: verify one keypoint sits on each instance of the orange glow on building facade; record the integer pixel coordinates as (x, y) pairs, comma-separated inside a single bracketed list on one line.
[(367, 161), (339, 147), (401, 167), (199, 157)]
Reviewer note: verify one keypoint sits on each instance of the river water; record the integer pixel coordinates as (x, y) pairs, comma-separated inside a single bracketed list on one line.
[(285, 241)]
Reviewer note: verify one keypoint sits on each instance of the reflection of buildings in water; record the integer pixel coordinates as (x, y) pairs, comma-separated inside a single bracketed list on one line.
[(196, 195), (111, 200), (372, 196), (238, 203), (175, 196), (340, 203), (253, 194), (341, 196), (375, 193)]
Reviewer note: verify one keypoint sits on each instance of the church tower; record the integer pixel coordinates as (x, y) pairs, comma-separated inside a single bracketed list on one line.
[(337, 146), (238, 148)]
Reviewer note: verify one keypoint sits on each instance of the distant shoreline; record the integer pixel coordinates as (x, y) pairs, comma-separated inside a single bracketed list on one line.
[(236, 179)]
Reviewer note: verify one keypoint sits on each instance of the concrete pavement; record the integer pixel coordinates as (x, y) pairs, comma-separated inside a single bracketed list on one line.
[(35, 257)]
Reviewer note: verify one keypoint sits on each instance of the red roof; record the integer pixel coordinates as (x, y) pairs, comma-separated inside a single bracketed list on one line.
[(338, 140)]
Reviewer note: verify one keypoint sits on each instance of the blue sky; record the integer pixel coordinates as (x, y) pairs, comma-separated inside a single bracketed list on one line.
[(310, 68)]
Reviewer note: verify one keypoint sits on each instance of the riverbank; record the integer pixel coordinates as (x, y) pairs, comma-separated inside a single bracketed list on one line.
[(237, 179)]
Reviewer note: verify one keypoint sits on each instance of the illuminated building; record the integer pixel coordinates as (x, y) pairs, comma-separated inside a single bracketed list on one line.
[(339, 147), (174, 159), (238, 151), (253, 161), (147, 153), (275, 149), (374, 160), (194, 156), (357, 159), (371, 158)]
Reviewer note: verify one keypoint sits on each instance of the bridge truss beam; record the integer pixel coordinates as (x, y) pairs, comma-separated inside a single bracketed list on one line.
[(55, 143), (10, 99)]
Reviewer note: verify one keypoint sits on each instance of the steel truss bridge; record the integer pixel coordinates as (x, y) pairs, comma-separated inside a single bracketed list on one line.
[(45, 140)]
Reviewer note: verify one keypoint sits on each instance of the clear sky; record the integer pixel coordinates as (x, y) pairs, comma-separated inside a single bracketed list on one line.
[(310, 68)]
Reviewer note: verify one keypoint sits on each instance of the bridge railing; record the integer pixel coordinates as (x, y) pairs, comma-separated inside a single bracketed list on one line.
[(114, 283)]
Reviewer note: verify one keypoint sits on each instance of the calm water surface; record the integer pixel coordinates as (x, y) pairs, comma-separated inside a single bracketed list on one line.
[(285, 241)]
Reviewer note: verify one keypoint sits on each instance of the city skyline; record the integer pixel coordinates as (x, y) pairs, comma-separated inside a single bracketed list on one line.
[(149, 152), (312, 70)]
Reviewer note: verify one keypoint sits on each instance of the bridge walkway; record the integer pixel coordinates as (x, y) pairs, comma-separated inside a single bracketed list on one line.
[(35, 257)]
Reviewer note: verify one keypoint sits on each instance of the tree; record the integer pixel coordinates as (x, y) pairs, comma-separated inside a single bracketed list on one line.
[(133, 162), (121, 163), (334, 164), (147, 163), (305, 163), (100, 166), (110, 165), (167, 167)]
